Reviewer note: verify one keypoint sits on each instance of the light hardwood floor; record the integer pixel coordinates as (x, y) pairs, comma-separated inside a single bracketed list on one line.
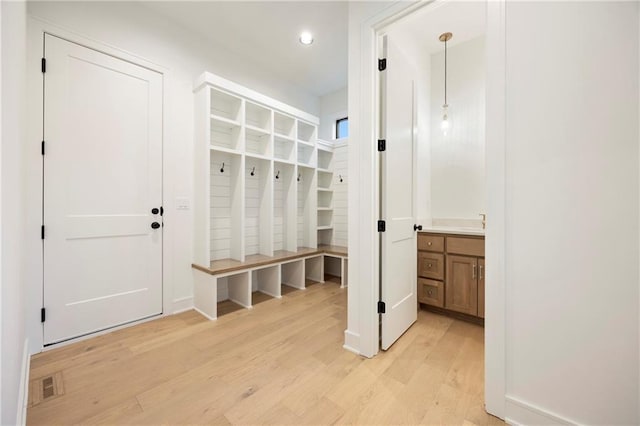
[(281, 362)]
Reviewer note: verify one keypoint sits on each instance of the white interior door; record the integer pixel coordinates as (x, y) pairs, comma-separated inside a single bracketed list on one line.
[(102, 178), (398, 250)]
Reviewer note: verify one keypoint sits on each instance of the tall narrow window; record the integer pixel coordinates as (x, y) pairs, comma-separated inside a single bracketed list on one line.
[(342, 128)]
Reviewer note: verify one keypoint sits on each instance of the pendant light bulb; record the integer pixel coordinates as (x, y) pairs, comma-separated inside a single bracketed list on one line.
[(445, 37), (445, 120)]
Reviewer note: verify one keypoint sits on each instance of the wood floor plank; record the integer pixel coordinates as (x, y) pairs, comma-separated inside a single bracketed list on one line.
[(281, 362)]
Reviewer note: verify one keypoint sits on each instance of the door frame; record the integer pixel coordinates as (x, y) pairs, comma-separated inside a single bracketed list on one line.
[(34, 271), (363, 333)]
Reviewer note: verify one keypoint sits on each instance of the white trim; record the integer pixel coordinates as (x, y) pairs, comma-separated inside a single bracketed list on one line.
[(182, 305), (204, 315), (495, 240), (36, 28), (520, 412), (23, 393), (351, 342), (210, 79)]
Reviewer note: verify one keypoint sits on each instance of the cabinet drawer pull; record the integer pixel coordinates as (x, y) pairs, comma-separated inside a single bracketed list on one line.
[(430, 292), (474, 272), (429, 243), (481, 272), (429, 265)]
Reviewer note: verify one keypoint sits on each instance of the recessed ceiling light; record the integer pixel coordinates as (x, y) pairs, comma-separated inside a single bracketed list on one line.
[(306, 38)]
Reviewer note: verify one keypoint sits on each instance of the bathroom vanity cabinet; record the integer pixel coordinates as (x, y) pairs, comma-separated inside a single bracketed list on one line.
[(451, 273)]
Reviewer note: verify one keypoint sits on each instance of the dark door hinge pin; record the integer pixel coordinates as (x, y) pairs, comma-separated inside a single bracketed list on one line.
[(43, 65), (382, 64)]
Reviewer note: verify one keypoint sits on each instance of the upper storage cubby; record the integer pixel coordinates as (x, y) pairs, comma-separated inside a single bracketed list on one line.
[(325, 159), (225, 134), (306, 133), (225, 107), (284, 126), (258, 117)]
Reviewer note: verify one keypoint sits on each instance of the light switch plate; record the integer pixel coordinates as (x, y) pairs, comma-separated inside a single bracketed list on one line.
[(182, 203)]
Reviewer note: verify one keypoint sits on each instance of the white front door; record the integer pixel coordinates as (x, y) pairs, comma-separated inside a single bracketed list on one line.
[(102, 178), (398, 250)]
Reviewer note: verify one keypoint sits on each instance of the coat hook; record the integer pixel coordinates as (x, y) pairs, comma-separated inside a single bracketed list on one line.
[(222, 168), (278, 175), (299, 175), (253, 171), (340, 177)]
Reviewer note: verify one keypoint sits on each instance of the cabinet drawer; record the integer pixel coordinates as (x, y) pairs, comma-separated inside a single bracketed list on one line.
[(431, 292), (431, 265), (430, 242), (468, 246)]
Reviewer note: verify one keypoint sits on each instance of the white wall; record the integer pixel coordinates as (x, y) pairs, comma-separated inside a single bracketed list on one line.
[(12, 294), (333, 106), (572, 211), (457, 159), (137, 30)]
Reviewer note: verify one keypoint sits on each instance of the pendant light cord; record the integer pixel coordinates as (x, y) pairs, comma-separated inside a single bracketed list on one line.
[(445, 72)]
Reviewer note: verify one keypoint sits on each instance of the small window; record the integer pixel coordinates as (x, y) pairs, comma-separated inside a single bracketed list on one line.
[(342, 128)]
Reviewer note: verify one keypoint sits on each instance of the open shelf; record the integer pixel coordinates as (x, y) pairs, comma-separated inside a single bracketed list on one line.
[(225, 215), (257, 142), (258, 207), (266, 281), (307, 207), (324, 180), (325, 228), (284, 207), (325, 218), (283, 149), (325, 198), (258, 117), (225, 106), (325, 160), (284, 126), (305, 155), (225, 133), (306, 133), (325, 236)]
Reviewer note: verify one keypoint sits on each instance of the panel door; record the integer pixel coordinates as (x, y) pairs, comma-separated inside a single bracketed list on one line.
[(102, 178), (461, 292), (398, 248)]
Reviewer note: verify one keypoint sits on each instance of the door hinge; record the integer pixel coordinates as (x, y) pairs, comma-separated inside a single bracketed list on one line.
[(382, 226), (42, 232), (382, 64), (43, 65), (161, 212), (382, 308), (43, 315), (42, 149), (382, 145)]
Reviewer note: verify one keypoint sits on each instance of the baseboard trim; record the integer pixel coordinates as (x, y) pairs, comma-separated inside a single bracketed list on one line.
[(182, 305), (203, 314), (23, 395), (519, 412), (351, 342)]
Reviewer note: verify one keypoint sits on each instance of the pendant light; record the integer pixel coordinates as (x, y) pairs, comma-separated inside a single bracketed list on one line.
[(445, 37)]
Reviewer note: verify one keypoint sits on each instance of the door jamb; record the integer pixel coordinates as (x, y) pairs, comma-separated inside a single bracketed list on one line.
[(495, 325)]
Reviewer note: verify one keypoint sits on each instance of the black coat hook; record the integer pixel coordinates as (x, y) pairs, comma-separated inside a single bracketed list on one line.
[(278, 175), (340, 176), (253, 171), (222, 168)]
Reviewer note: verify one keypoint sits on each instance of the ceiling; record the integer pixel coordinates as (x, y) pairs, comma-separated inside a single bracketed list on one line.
[(466, 20), (266, 32)]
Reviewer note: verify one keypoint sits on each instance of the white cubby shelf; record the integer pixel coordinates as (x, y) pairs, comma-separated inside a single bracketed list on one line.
[(260, 173)]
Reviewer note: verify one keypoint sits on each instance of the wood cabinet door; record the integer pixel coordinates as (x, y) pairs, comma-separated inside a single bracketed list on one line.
[(461, 292), (481, 275), (431, 265)]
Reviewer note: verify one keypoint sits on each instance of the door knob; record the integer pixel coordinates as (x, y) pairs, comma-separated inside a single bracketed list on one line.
[(155, 210), (155, 225), (417, 227)]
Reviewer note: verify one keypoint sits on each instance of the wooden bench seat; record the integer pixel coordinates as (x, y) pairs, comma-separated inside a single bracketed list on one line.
[(284, 267)]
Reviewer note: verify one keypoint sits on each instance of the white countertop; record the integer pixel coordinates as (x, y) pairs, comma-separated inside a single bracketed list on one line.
[(454, 230)]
